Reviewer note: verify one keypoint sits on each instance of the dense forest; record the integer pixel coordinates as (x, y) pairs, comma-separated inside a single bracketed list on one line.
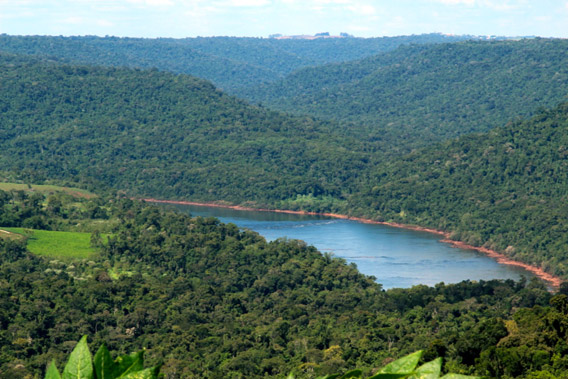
[(161, 134), (231, 63), (387, 137), (419, 94), (158, 134), (207, 300), (505, 189)]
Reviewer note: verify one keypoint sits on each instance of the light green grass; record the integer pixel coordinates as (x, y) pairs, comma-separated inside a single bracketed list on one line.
[(57, 244), (76, 192), (9, 235)]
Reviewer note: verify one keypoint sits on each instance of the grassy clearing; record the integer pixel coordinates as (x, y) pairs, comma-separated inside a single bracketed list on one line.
[(57, 244), (10, 235), (75, 192)]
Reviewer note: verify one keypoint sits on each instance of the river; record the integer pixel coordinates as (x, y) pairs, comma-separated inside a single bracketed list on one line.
[(395, 257)]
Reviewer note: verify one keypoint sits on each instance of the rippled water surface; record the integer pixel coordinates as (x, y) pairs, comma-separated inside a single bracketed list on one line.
[(396, 257)]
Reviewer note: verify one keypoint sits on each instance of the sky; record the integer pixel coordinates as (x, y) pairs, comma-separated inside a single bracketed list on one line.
[(261, 18)]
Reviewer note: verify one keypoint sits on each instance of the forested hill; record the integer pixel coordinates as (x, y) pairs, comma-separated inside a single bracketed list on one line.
[(173, 136), (162, 134), (231, 63), (420, 94), (208, 300), (506, 189)]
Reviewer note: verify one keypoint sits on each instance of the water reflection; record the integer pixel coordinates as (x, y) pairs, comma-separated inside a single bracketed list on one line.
[(396, 257)]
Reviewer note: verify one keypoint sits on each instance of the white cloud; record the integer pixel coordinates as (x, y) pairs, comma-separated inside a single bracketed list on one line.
[(498, 5), (248, 3), (363, 9), (154, 3), (501, 5), (333, 1), (74, 20), (105, 23), (457, 2)]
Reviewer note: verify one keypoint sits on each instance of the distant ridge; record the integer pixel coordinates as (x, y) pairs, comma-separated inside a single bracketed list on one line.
[(419, 94), (231, 63)]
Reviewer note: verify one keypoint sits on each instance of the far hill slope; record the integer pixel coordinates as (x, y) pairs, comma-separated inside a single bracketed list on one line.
[(506, 190), (162, 134), (421, 94), (231, 63), (174, 136)]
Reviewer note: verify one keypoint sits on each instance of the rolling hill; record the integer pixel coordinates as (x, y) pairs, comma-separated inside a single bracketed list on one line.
[(162, 134), (172, 136), (417, 95), (231, 63), (207, 299), (506, 189)]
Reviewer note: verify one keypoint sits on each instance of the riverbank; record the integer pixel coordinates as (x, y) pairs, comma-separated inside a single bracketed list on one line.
[(552, 280)]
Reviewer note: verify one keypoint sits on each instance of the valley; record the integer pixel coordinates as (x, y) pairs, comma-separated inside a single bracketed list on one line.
[(462, 138)]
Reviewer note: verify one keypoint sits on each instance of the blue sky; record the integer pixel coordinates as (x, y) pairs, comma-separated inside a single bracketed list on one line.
[(260, 18)]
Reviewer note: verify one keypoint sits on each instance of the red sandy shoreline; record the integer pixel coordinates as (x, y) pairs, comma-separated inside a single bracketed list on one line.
[(554, 281)]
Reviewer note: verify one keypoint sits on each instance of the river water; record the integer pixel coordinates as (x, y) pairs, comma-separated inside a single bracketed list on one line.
[(395, 257)]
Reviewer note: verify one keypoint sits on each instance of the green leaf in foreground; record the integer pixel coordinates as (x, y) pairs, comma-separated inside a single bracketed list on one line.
[(127, 364), (105, 366), (403, 365), (80, 364), (52, 372), (149, 373), (429, 370), (352, 374)]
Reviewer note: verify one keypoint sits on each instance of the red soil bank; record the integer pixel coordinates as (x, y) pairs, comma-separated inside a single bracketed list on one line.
[(553, 281)]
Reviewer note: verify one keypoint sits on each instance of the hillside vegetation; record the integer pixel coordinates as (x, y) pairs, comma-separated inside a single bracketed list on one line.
[(417, 95), (208, 300), (506, 189), (162, 134), (173, 136), (232, 63)]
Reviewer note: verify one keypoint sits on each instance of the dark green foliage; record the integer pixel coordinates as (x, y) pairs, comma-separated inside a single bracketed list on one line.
[(161, 134), (505, 189), (172, 136), (206, 299), (209, 300), (419, 94), (231, 63)]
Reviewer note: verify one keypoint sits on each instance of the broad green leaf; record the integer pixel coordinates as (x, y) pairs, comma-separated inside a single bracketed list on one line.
[(404, 365), (352, 374), (429, 370), (80, 364), (391, 376), (149, 373), (290, 376), (127, 364), (459, 376), (104, 364), (52, 372)]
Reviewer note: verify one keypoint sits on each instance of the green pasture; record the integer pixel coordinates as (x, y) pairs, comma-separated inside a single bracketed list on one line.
[(9, 235), (57, 244), (43, 188)]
